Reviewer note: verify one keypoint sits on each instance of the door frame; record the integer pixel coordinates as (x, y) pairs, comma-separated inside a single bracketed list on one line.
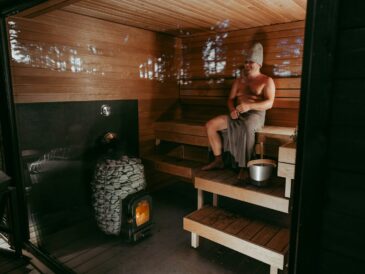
[(319, 44)]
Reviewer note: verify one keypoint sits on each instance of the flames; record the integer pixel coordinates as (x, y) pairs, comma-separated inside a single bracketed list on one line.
[(142, 212)]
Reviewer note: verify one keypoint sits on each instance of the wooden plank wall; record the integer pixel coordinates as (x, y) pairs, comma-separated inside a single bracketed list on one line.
[(220, 55), (60, 56), (211, 62)]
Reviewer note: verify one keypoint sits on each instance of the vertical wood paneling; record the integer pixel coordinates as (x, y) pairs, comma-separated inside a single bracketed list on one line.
[(66, 57)]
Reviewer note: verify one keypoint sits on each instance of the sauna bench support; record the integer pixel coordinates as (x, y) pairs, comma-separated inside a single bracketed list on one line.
[(286, 166)]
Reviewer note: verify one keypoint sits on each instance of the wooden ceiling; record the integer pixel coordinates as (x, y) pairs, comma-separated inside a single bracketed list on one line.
[(182, 17)]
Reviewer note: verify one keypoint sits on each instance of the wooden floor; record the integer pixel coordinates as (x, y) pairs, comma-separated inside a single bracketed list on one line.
[(84, 249)]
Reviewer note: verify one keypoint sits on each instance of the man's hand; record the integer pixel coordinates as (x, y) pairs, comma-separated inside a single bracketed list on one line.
[(234, 114), (243, 108)]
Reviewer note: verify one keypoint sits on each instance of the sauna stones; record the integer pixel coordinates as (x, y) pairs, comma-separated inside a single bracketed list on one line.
[(113, 181)]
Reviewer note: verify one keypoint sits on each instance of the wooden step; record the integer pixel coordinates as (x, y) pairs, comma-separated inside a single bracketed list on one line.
[(262, 241), (172, 165), (225, 183)]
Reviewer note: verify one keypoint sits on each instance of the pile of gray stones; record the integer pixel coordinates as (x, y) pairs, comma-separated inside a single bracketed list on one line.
[(113, 181)]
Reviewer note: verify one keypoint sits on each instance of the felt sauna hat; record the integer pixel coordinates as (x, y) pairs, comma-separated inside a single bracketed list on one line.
[(255, 54)]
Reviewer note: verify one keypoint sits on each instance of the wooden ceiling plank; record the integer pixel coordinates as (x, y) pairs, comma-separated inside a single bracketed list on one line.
[(133, 11), (182, 18), (143, 20), (163, 10), (111, 18), (288, 14), (210, 19), (241, 11), (223, 19), (111, 32), (227, 12), (128, 14), (301, 3), (195, 11), (45, 8), (262, 15), (263, 10)]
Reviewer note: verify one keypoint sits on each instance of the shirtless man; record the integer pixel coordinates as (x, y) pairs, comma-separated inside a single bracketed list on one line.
[(253, 94)]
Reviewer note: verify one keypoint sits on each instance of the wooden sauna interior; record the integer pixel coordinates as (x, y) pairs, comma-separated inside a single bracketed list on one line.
[(178, 59)]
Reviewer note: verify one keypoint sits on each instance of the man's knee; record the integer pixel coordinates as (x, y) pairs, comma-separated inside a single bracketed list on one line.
[(210, 125), (216, 124)]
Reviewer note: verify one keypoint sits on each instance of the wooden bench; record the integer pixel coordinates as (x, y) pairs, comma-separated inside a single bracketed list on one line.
[(202, 100)]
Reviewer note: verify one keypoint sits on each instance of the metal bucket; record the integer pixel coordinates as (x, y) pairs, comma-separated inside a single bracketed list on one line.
[(260, 170)]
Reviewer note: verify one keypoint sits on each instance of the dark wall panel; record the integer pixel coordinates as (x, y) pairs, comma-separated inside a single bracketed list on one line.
[(343, 222), (61, 144)]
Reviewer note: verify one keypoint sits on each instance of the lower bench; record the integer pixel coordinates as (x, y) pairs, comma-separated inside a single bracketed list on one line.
[(194, 133), (264, 242)]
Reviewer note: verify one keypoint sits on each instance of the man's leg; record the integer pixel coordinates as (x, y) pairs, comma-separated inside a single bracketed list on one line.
[(213, 126)]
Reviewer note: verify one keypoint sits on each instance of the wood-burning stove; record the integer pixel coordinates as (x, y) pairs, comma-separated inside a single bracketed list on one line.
[(137, 216)]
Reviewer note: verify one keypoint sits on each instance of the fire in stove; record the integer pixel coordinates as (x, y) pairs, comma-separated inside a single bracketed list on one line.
[(137, 216)]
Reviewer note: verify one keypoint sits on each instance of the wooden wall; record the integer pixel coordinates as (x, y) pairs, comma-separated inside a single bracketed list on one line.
[(220, 55), (211, 62), (61, 56)]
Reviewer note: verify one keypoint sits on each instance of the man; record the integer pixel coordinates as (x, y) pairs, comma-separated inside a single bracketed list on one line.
[(253, 93)]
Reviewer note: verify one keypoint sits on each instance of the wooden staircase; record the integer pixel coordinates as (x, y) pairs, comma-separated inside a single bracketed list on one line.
[(182, 147), (262, 241), (254, 237)]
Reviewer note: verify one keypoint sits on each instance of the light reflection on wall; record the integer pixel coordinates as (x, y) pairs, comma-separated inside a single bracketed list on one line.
[(287, 50), (214, 52), (158, 68), (44, 55), (77, 59)]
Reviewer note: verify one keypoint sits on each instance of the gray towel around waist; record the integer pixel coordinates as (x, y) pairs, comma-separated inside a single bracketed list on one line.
[(239, 137)]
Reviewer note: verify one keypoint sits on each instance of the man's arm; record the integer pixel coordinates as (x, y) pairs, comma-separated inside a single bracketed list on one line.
[(266, 103)]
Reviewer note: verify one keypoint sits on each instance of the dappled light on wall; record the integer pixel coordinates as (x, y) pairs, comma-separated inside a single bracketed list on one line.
[(153, 69), (288, 57), (160, 68), (51, 56), (220, 53), (214, 51)]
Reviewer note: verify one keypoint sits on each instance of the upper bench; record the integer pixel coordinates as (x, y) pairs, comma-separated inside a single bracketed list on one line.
[(201, 100)]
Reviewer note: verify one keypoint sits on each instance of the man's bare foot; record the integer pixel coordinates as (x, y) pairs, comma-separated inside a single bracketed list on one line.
[(243, 174), (216, 164)]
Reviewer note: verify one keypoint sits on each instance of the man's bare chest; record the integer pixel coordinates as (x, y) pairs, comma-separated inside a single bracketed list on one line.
[(250, 88)]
